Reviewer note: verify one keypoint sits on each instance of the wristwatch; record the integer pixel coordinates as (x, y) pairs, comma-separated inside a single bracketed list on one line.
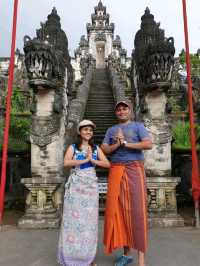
[(123, 144)]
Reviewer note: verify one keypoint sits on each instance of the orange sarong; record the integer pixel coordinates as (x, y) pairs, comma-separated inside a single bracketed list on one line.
[(126, 211)]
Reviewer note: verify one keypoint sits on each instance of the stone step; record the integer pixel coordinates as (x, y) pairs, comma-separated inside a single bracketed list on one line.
[(100, 76), (102, 116), (104, 125), (96, 96), (101, 105), (99, 138), (96, 117), (100, 111), (101, 123), (101, 102), (101, 119), (99, 133), (100, 108), (102, 86), (100, 130), (101, 95), (100, 91)]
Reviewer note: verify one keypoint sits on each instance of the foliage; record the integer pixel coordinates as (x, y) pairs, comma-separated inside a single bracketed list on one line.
[(19, 122), (181, 135), (18, 102), (1, 128), (194, 61), (19, 126), (18, 133), (174, 104)]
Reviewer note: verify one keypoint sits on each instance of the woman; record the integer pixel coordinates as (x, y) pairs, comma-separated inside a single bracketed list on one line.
[(79, 228)]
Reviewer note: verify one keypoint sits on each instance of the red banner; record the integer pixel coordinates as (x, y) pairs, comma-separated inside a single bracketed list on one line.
[(8, 109)]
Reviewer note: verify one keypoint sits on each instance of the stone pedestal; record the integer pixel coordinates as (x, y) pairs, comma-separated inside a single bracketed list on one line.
[(162, 202), (41, 211)]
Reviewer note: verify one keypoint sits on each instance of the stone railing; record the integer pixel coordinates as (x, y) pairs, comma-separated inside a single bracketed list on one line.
[(117, 84), (77, 106), (120, 78)]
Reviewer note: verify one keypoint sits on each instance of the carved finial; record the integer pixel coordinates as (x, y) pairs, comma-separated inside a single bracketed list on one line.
[(100, 5), (147, 11), (53, 16), (54, 11)]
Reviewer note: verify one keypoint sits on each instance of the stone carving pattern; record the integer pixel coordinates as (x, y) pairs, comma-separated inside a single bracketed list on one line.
[(46, 56), (154, 54), (168, 202), (44, 129)]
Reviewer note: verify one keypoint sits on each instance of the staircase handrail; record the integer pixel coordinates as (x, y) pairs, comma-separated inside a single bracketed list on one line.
[(117, 84), (77, 106)]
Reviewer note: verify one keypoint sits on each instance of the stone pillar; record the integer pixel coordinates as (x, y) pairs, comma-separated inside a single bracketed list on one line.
[(154, 61), (157, 160), (161, 185), (48, 68)]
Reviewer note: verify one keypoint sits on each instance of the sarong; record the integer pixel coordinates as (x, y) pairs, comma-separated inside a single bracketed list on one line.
[(126, 208), (79, 227)]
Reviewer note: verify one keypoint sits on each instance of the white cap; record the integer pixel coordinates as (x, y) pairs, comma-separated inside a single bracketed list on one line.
[(85, 123), (123, 102)]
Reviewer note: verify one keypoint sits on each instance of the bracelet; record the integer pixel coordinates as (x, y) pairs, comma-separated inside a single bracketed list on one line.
[(123, 144)]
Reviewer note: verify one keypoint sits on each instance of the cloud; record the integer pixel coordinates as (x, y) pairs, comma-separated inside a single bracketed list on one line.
[(75, 14)]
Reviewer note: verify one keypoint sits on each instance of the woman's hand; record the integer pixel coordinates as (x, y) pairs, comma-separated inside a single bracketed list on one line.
[(69, 161), (89, 154)]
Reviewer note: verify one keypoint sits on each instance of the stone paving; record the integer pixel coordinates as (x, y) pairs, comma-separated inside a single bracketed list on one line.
[(167, 247)]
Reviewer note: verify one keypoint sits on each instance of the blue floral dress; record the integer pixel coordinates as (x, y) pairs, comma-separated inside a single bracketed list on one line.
[(79, 228)]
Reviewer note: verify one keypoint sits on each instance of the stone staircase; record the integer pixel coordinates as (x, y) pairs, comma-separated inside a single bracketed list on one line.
[(100, 109), (100, 105)]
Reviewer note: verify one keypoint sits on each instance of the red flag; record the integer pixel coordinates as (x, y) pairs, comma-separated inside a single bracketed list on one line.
[(8, 109)]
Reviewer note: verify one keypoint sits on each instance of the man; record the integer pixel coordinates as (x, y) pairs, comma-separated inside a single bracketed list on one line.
[(126, 213)]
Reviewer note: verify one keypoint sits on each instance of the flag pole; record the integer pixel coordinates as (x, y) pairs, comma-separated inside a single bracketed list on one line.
[(195, 166), (8, 110)]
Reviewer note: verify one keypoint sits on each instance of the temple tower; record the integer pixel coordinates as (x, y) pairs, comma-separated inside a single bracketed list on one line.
[(100, 35)]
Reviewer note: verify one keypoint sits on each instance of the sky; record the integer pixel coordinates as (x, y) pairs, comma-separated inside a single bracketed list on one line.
[(74, 14)]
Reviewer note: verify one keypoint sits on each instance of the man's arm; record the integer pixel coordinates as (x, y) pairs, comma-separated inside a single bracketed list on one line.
[(108, 149), (144, 144)]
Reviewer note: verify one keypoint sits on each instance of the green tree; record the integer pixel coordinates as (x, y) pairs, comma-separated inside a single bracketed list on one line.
[(19, 122), (194, 61)]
